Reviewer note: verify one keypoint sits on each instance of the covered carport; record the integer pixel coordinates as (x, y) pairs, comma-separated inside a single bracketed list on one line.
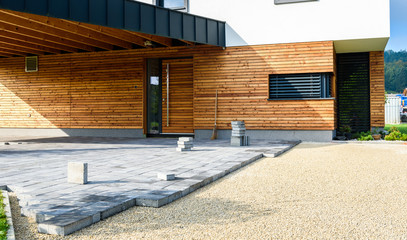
[(40, 27), (79, 68)]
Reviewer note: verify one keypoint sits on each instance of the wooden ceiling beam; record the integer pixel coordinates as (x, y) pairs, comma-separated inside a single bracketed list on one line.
[(27, 45), (75, 27), (18, 20), (7, 46), (161, 40), (118, 33), (42, 36), (44, 44), (187, 42), (13, 52)]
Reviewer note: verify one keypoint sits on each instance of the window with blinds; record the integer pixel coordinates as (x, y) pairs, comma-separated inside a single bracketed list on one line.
[(299, 86)]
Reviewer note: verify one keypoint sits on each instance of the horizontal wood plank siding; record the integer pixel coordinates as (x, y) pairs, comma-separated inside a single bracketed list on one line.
[(92, 90), (97, 90), (377, 89), (241, 76)]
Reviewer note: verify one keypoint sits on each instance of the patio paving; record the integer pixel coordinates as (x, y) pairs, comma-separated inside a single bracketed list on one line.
[(122, 174)]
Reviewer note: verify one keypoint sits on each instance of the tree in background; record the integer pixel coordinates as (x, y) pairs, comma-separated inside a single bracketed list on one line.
[(395, 71)]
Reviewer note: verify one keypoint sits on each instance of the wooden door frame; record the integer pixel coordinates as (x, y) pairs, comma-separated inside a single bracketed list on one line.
[(145, 104)]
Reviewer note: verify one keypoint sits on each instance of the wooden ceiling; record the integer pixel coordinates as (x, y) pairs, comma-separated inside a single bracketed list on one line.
[(23, 34)]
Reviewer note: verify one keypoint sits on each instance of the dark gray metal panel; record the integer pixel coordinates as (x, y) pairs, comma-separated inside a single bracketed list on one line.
[(147, 19), (162, 21), (97, 11), (221, 34), (201, 33), (115, 13), (212, 32), (58, 8), (132, 16), (16, 5), (79, 10), (128, 15), (189, 28), (176, 25), (37, 6)]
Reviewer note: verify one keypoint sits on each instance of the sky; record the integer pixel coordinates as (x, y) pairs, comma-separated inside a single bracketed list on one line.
[(398, 25)]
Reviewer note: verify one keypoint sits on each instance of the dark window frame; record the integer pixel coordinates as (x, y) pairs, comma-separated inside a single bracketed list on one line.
[(277, 2), (299, 86), (160, 3)]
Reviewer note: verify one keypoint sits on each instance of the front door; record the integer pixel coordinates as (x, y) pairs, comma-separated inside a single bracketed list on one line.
[(177, 96)]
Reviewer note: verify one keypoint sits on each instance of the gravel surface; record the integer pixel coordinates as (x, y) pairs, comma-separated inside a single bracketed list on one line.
[(315, 191)]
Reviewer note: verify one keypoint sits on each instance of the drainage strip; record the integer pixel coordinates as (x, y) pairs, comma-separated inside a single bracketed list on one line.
[(7, 208)]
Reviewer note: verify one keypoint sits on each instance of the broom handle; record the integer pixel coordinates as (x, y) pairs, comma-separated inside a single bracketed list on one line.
[(216, 106)]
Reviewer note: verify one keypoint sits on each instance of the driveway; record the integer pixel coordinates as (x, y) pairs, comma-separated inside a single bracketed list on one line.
[(315, 191), (122, 174)]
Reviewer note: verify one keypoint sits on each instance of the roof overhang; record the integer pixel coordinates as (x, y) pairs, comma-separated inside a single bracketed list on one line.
[(361, 45), (36, 27)]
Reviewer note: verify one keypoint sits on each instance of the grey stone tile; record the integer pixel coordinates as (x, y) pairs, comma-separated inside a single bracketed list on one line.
[(122, 173)]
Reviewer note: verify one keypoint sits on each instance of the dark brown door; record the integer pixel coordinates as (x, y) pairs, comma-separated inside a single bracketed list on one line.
[(178, 96)]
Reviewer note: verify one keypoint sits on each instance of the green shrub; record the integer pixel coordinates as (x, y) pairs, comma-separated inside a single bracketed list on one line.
[(3, 220), (345, 129), (155, 124), (394, 129), (396, 136), (365, 136), (356, 135), (400, 127)]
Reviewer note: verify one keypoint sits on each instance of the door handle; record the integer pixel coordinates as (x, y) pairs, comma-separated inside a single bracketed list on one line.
[(168, 94)]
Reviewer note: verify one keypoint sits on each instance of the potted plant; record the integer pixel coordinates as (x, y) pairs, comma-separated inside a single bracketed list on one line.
[(346, 130), (376, 135)]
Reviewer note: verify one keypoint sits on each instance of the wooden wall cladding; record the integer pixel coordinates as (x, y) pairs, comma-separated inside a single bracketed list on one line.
[(241, 76), (377, 89), (97, 90), (91, 90)]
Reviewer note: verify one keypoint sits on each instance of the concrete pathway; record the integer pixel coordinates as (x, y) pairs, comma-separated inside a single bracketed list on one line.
[(122, 174)]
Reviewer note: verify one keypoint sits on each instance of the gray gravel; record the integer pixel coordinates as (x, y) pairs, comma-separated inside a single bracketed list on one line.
[(315, 191)]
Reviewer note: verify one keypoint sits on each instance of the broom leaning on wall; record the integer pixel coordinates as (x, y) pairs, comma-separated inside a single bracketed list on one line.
[(215, 131)]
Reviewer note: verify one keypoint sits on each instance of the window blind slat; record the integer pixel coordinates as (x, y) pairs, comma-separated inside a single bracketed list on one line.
[(293, 86)]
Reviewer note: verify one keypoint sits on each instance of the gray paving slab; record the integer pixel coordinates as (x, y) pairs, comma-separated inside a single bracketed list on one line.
[(122, 173)]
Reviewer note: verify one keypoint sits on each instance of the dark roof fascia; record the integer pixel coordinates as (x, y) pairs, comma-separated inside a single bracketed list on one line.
[(128, 15)]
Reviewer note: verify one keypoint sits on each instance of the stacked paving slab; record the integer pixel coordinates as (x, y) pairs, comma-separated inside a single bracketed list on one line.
[(239, 137), (185, 144)]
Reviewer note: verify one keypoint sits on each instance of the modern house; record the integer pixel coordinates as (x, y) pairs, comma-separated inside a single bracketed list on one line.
[(291, 69)]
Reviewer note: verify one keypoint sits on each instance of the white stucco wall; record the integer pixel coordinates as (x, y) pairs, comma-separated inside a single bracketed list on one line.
[(257, 22)]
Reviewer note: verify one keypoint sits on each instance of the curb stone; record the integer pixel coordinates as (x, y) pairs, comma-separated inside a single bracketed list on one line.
[(7, 208), (286, 149), (372, 142)]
